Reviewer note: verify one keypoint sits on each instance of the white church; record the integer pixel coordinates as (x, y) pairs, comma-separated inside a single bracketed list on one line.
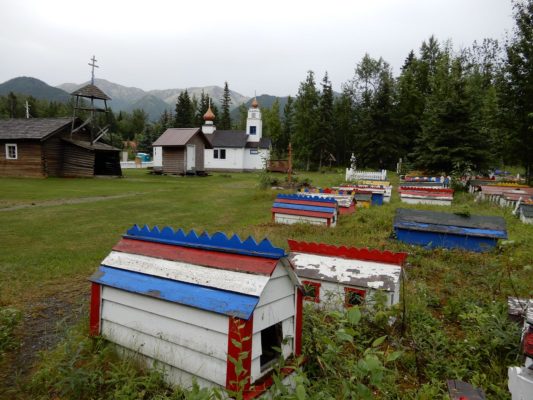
[(236, 150)]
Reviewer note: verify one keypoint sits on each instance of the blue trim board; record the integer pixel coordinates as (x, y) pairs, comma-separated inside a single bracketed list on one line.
[(305, 207), (217, 242), (446, 240), (309, 196), (215, 300)]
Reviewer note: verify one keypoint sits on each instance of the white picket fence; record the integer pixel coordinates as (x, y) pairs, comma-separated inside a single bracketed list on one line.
[(133, 164), (352, 175)]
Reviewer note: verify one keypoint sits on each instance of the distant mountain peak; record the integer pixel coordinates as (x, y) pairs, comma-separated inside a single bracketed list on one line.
[(29, 86)]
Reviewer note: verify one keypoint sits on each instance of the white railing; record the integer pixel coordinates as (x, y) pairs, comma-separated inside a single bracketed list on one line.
[(352, 175), (133, 164)]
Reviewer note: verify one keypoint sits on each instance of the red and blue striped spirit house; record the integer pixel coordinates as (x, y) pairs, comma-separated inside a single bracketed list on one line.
[(298, 208), (194, 305)]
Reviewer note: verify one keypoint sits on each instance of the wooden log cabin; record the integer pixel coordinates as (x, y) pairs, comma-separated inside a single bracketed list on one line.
[(193, 302), (42, 147)]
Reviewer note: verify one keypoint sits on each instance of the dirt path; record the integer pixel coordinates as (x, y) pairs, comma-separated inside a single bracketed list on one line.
[(44, 324), (80, 200)]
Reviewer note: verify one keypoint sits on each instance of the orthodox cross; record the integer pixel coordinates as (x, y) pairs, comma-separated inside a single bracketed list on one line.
[(93, 65)]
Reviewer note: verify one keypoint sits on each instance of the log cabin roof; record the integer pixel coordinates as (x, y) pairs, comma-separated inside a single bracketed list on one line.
[(32, 128), (91, 146), (180, 137), (92, 92)]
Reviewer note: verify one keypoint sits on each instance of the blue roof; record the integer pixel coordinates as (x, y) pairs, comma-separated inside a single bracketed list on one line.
[(304, 207), (217, 242), (299, 196), (215, 300)]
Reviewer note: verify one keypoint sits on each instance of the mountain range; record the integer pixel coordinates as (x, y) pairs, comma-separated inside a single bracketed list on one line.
[(125, 98)]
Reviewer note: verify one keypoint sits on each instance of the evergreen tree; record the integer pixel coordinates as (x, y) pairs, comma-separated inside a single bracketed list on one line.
[(306, 122), (184, 111), (343, 127), (409, 105), (225, 119), (272, 122), (281, 146), (325, 142), (519, 86), (449, 138), (13, 106), (240, 125)]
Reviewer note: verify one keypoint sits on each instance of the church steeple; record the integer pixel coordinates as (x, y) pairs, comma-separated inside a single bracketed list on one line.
[(254, 124), (209, 117)]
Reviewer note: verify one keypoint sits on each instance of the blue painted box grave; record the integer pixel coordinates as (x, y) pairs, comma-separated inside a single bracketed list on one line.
[(452, 231)]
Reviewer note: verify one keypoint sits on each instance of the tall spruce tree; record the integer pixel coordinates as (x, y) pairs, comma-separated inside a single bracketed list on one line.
[(343, 127), (272, 122), (409, 105), (306, 122), (184, 111), (225, 118), (325, 145), (449, 139), (287, 128), (518, 88)]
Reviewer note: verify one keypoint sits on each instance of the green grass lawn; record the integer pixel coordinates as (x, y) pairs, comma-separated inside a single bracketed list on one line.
[(65, 227)]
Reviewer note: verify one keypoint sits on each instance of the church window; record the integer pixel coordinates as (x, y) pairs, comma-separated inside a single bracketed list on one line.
[(253, 130)]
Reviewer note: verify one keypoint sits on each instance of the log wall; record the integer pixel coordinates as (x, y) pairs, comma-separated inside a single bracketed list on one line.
[(53, 156), (29, 159), (77, 162)]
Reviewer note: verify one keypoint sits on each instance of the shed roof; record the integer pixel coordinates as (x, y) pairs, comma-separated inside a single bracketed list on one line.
[(213, 273), (32, 128), (92, 92), (347, 265), (431, 221), (180, 137)]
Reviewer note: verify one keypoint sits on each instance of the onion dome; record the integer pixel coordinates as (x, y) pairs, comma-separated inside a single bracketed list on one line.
[(209, 116), (255, 104)]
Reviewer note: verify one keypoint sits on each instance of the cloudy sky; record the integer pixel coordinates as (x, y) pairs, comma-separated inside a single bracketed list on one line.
[(264, 46)]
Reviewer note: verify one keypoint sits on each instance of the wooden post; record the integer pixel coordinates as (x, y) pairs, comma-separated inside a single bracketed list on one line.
[(289, 171)]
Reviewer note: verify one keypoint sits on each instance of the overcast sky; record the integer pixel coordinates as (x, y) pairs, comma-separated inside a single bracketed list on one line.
[(265, 46)]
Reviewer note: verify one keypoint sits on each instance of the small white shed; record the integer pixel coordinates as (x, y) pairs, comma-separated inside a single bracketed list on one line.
[(193, 302), (339, 277)]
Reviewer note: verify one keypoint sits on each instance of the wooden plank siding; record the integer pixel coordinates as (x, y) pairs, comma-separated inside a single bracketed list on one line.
[(29, 159), (53, 156), (185, 338), (77, 161), (173, 160)]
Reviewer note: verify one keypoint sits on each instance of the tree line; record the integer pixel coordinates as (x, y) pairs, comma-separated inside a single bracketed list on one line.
[(446, 110)]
